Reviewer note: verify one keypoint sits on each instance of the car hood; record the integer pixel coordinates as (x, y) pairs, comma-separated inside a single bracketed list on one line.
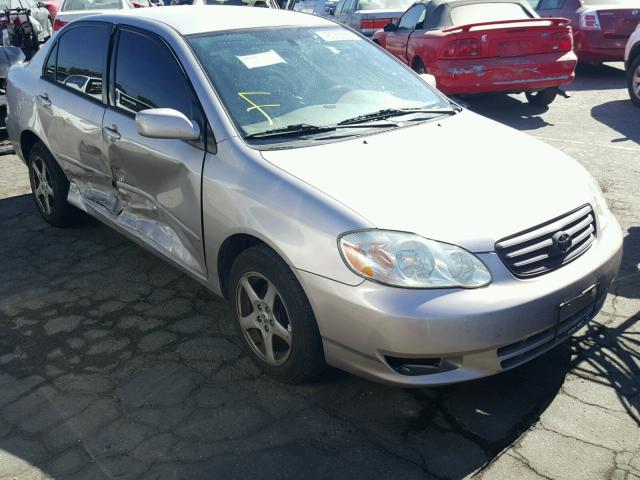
[(462, 179)]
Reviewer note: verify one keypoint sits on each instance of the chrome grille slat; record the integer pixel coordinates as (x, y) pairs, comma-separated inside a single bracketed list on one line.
[(534, 252)]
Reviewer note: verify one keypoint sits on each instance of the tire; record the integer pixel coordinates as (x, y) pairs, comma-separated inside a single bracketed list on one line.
[(542, 98), (633, 81), (418, 66), (50, 196), (289, 314)]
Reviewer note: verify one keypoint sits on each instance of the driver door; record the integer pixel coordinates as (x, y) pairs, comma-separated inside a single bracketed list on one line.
[(397, 40), (158, 181)]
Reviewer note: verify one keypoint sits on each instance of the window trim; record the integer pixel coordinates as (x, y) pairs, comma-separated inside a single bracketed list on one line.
[(207, 144), (56, 46)]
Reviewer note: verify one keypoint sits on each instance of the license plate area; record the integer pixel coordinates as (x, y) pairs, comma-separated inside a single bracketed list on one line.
[(579, 306)]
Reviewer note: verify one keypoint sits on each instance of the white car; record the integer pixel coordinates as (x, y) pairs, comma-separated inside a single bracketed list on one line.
[(632, 65), (73, 9)]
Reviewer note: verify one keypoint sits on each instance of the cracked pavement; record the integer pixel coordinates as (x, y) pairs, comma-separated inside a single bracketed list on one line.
[(115, 365)]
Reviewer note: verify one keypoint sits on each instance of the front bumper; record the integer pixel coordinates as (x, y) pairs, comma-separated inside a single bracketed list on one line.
[(504, 75), (474, 333)]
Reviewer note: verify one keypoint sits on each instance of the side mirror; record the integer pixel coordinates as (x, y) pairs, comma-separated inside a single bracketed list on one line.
[(390, 27), (166, 123), (430, 79), (41, 5)]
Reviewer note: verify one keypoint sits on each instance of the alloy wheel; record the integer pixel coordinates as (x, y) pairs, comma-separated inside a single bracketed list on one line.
[(263, 318), (635, 82), (42, 185)]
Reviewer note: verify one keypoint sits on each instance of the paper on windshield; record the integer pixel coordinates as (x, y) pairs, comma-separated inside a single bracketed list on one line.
[(336, 35), (263, 59)]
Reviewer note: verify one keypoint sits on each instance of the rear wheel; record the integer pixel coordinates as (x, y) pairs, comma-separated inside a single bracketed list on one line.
[(633, 81), (50, 188), (274, 317), (418, 66), (543, 97)]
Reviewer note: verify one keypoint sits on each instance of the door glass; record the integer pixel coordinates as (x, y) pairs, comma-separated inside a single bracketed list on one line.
[(81, 68), (148, 76), (411, 18), (50, 67)]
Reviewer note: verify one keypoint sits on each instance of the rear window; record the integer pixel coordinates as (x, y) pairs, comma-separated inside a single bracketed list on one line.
[(487, 12), (384, 4), (90, 5)]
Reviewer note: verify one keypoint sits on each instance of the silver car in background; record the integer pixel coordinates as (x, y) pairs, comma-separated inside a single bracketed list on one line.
[(353, 215), (368, 16)]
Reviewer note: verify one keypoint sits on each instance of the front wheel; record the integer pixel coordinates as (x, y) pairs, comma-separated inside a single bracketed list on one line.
[(633, 81), (274, 317), (542, 98), (418, 67)]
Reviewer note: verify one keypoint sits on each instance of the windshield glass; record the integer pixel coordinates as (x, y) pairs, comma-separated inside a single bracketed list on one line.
[(90, 5), (384, 4), (487, 12), (273, 78)]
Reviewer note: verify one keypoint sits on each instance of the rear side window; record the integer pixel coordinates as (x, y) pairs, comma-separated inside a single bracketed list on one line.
[(148, 76), (487, 12), (81, 57)]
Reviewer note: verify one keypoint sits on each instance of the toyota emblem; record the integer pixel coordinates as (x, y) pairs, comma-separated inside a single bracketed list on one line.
[(562, 242)]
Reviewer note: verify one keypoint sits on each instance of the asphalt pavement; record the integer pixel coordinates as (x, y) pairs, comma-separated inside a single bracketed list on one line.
[(115, 365)]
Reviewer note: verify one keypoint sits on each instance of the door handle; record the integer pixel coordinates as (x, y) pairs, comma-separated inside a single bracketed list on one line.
[(112, 132), (44, 99)]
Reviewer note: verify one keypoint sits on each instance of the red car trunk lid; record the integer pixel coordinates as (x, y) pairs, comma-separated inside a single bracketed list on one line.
[(517, 38), (618, 23)]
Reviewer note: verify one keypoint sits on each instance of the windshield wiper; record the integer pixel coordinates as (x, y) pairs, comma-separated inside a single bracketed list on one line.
[(298, 129), (396, 112)]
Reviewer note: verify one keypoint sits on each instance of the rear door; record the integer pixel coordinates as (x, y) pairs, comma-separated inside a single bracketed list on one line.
[(158, 180), (70, 104), (397, 40)]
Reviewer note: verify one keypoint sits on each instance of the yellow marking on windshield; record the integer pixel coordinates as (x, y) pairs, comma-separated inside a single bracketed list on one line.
[(255, 106)]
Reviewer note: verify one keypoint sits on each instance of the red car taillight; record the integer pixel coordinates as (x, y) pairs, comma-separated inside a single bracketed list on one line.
[(369, 23), (58, 24), (462, 48), (561, 42)]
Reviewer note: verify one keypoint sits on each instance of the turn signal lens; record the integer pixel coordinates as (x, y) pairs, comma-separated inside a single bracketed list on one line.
[(561, 42), (589, 21), (407, 260), (462, 48), (58, 24)]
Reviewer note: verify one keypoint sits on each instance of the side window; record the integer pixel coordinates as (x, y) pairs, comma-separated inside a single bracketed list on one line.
[(411, 18), (148, 76), (82, 68), (50, 67)]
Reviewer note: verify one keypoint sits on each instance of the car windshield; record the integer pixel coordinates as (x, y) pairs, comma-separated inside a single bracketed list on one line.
[(275, 78), (91, 5), (487, 12), (384, 4)]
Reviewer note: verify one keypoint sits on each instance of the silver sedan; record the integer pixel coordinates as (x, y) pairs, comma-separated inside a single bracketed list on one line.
[(352, 214)]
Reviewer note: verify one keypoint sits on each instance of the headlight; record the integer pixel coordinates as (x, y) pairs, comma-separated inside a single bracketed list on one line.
[(600, 205), (408, 260)]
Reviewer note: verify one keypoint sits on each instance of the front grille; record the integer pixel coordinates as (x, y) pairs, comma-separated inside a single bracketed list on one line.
[(539, 249)]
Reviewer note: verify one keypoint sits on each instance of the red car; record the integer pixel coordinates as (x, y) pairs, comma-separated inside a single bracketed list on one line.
[(52, 6), (484, 46), (600, 27)]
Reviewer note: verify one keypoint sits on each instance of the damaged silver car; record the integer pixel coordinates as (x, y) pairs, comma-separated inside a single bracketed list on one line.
[(352, 214)]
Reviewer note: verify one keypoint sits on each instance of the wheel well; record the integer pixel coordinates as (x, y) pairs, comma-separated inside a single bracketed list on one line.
[(27, 141), (229, 251), (376, 41)]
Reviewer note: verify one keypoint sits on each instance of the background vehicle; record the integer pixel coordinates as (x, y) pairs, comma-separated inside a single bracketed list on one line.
[(600, 27), (484, 46), (236, 3), (74, 9), (323, 8), (37, 11), (52, 6), (632, 65), (367, 16)]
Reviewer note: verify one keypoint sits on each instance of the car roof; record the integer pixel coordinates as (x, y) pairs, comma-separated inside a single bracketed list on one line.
[(189, 19)]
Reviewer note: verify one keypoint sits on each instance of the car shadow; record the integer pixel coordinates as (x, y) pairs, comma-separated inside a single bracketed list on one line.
[(113, 364), (510, 110), (621, 116), (598, 77)]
